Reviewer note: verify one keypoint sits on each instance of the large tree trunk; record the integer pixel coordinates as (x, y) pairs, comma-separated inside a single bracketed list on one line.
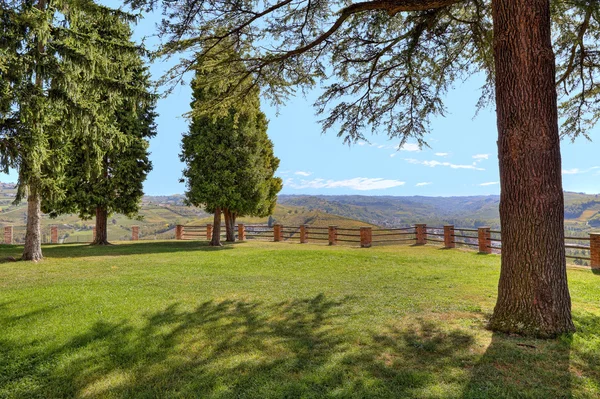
[(101, 226), (216, 232), (533, 297), (33, 234), (229, 225)]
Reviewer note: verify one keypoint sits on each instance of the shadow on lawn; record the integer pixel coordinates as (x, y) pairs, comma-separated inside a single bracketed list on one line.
[(137, 248), (236, 349)]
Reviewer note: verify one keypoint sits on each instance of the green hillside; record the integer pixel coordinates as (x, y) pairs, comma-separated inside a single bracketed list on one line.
[(582, 211), (160, 214), (158, 217)]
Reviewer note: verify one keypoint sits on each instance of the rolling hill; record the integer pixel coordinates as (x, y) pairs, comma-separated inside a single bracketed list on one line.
[(160, 214)]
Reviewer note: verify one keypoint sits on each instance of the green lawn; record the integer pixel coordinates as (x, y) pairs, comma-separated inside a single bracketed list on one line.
[(266, 320)]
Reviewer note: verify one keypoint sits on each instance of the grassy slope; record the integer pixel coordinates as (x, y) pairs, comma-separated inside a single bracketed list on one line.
[(250, 320)]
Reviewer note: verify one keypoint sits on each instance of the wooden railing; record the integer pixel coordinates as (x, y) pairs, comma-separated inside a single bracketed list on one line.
[(484, 239)]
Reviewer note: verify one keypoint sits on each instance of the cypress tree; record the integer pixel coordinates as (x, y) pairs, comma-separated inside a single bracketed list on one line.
[(229, 157)]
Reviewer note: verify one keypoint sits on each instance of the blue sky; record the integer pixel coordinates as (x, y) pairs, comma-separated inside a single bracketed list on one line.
[(461, 160)]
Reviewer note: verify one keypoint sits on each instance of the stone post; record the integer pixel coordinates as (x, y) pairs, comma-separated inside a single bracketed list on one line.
[(94, 233), (209, 231), (449, 236), (595, 250), (484, 235), (366, 237), (179, 232), (241, 232), (135, 233), (277, 232), (332, 235), (421, 231), (54, 234), (303, 234), (8, 234)]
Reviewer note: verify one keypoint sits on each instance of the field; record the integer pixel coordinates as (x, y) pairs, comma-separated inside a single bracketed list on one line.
[(266, 320)]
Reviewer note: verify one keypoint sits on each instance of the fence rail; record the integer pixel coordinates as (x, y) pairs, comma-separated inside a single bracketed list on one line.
[(486, 240), (54, 236)]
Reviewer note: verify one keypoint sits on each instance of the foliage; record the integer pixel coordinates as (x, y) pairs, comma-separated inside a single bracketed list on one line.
[(57, 76), (118, 185), (229, 157), (384, 65), (178, 319)]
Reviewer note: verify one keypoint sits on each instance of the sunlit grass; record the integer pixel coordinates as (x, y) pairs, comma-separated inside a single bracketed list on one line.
[(268, 320)]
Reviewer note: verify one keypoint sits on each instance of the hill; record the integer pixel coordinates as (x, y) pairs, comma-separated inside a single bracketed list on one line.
[(157, 220), (582, 211), (160, 214)]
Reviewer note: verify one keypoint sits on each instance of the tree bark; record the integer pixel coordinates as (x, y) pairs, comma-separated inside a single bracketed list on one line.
[(229, 225), (533, 296), (101, 226), (216, 232), (33, 235)]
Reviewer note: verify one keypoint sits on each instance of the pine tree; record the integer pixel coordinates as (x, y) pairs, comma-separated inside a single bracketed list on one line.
[(58, 75), (117, 185), (229, 160)]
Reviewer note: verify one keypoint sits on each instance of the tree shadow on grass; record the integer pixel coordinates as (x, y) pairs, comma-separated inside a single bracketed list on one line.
[(292, 349), (515, 367), (232, 349)]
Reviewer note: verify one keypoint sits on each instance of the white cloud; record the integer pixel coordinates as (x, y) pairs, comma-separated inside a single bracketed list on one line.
[(423, 184), (410, 147), (362, 143), (481, 156), (357, 183), (576, 171), (433, 164), (302, 173), (393, 155), (381, 146), (442, 154), (490, 183)]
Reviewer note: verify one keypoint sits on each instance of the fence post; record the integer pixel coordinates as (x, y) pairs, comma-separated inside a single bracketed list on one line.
[(421, 230), (209, 231), (135, 233), (277, 232), (366, 237), (8, 234), (93, 233), (595, 250), (303, 234), (241, 232), (179, 232), (54, 234), (449, 236), (484, 235), (332, 235)]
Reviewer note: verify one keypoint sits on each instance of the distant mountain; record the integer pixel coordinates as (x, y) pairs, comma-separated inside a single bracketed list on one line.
[(160, 214), (582, 211)]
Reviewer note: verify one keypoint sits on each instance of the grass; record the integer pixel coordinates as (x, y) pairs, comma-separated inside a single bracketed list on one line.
[(265, 320)]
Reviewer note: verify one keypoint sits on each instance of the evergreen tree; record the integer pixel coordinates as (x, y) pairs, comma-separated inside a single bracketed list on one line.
[(118, 185), (60, 82), (229, 160), (388, 65)]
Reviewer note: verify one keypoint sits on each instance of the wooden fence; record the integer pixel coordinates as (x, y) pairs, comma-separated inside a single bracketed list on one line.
[(53, 237), (486, 240)]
